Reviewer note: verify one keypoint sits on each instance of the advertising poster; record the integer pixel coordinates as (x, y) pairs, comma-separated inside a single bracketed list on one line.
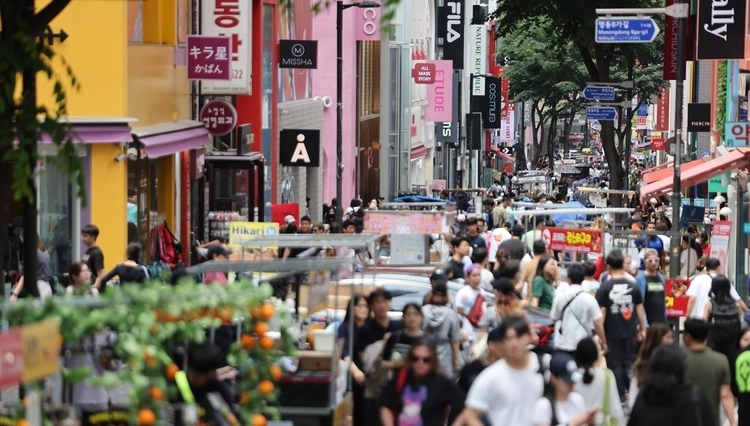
[(720, 235), (676, 300), (403, 223), (242, 234)]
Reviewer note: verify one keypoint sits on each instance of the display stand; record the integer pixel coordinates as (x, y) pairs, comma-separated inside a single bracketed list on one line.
[(217, 224)]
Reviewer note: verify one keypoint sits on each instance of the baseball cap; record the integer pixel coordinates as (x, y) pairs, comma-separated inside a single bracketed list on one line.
[(495, 335), (217, 250), (289, 219), (440, 286), (438, 274), (564, 366)]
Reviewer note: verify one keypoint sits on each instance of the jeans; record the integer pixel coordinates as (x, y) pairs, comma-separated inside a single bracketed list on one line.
[(620, 357)]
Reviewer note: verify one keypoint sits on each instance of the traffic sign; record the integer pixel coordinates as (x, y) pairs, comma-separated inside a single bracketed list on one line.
[(627, 29), (606, 113), (599, 93)]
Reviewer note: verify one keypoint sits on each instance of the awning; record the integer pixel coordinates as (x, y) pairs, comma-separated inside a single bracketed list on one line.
[(170, 138), (701, 173), (418, 152), (657, 167), (669, 171), (500, 153), (93, 130)]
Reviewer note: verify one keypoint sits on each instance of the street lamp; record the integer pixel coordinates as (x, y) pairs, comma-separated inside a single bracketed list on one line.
[(340, 7)]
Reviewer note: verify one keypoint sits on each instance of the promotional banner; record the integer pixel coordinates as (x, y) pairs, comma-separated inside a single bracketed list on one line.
[(675, 299), (573, 240), (440, 93), (231, 18), (492, 104), (662, 112), (368, 23), (720, 235), (504, 98), (721, 29), (451, 30), (479, 55), (404, 222), (243, 233), (508, 130)]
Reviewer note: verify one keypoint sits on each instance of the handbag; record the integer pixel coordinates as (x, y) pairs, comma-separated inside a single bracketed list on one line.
[(607, 418)]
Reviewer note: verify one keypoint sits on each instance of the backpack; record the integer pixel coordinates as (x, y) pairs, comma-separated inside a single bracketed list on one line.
[(726, 321)]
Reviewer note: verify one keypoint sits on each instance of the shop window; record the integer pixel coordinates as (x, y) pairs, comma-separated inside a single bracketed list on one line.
[(58, 207), (143, 202), (369, 81), (158, 22)]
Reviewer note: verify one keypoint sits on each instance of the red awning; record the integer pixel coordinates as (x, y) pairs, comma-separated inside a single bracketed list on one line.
[(500, 153), (657, 167), (701, 173), (668, 172), (418, 152)]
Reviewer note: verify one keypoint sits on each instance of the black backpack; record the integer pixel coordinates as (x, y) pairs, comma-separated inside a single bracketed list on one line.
[(725, 317)]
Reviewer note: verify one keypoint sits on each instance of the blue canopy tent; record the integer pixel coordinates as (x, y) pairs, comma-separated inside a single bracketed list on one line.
[(560, 218)]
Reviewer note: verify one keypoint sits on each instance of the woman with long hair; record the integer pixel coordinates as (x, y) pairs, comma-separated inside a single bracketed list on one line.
[(398, 345), (722, 311), (542, 287), (356, 314), (666, 398), (420, 393), (598, 386), (657, 334), (129, 271), (560, 405)]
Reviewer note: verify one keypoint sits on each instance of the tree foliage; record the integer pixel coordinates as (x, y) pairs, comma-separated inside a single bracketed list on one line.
[(573, 22)]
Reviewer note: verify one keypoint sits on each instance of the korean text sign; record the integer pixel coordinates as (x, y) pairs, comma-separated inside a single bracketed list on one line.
[(233, 19), (209, 58), (403, 223), (573, 240)]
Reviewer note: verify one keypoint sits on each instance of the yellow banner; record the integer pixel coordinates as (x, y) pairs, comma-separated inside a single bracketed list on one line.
[(41, 350), (243, 233)]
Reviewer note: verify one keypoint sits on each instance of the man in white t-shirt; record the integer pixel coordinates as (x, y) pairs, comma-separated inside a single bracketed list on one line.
[(506, 391), (699, 290), (578, 311)]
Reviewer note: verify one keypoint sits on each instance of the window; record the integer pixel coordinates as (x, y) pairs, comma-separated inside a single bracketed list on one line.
[(158, 22), (58, 207)]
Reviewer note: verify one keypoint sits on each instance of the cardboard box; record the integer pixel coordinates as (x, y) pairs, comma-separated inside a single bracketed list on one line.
[(314, 361)]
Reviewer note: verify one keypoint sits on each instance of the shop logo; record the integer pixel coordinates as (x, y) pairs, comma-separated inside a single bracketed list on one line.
[(299, 148), (298, 54), (298, 50), (721, 26)]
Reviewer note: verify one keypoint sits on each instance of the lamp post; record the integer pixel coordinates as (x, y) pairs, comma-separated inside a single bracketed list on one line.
[(340, 7)]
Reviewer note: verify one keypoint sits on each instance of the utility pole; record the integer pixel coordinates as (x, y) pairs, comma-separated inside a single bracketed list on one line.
[(30, 213)]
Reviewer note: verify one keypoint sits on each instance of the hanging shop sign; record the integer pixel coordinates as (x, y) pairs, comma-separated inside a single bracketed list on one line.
[(440, 93), (298, 54), (721, 29), (208, 58), (219, 117), (299, 148), (662, 111), (451, 30), (736, 134), (493, 103), (699, 117), (230, 18)]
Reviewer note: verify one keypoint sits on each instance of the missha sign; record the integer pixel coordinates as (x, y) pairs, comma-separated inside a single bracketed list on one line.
[(721, 29)]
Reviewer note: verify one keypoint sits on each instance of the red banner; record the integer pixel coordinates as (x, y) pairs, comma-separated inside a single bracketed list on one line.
[(662, 111), (573, 240), (675, 298), (505, 98), (280, 211)]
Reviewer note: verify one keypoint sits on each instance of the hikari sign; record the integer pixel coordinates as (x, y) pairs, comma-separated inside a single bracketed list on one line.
[(208, 58)]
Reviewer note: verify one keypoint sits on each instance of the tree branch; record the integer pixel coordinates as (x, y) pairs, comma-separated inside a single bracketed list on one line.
[(46, 15), (588, 61)]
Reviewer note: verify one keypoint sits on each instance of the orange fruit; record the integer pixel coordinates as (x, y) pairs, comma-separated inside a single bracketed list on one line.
[(265, 387), (171, 371), (150, 359), (223, 313), (247, 341), (146, 417), (21, 422), (156, 393), (267, 342), (256, 312), (259, 420), (267, 311), (260, 328), (244, 397), (276, 372)]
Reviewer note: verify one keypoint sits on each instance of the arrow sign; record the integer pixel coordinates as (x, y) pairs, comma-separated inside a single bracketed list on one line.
[(605, 113), (629, 29), (599, 93)]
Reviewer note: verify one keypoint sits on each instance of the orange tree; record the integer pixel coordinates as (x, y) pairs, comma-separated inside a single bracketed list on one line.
[(148, 320)]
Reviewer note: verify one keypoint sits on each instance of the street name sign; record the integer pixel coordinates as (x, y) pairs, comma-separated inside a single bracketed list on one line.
[(605, 113), (599, 93), (626, 29)]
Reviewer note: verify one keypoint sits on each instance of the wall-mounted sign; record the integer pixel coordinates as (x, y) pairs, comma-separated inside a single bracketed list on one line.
[(721, 29), (299, 148), (230, 18), (423, 73), (493, 103), (368, 23), (298, 54), (219, 117), (440, 93), (208, 58), (662, 112), (736, 134), (699, 117), (451, 30)]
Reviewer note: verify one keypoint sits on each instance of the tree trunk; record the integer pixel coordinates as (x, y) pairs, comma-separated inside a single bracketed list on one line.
[(551, 142), (612, 157), (5, 200)]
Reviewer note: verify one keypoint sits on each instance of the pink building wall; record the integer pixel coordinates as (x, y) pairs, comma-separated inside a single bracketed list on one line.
[(324, 84)]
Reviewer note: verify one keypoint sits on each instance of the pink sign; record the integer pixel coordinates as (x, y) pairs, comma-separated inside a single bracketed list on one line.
[(440, 93), (720, 235), (208, 57), (368, 23), (403, 223)]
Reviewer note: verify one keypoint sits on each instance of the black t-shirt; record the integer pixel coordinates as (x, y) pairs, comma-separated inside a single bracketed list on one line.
[(654, 302), (371, 331), (477, 241), (400, 342), (619, 297), (469, 373), (94, 259), (127, 274), (516, 248), (428, 398), (676, 409), (454, 270), (214, 386), (740, 373)]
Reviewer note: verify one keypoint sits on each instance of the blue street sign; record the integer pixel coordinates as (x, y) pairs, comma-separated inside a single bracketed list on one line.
[(628, 29), (642, 110), (599, 93), (604, 113)]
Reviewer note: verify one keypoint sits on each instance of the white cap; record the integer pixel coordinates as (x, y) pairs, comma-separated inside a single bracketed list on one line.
[(289, 219), (652, 201)]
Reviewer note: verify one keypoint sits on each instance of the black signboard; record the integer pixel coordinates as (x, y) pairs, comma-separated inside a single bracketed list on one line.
[(474, 130), (493, 103), (299, 148), (451, 30), (298, 54), (699, 118), (721, 29)]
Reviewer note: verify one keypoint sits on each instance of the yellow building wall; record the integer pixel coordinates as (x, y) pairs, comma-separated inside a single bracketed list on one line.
[(158, 91), (166, 191), (108, 195)]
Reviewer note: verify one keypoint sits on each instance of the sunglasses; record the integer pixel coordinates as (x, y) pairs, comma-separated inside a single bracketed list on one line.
[(425, 360)]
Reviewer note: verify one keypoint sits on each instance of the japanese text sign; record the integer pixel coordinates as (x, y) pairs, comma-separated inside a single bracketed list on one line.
[(209, 58), (233, 19), (736, 134), (573, 240)]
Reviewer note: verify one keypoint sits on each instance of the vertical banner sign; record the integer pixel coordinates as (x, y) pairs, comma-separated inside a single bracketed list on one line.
[(479, 55), (662, 111), (451, 29), (230, 18), (721, 29), (504, 98), (508, 131), (440, 93), (720, 234), (670, 46), (368, 23), (491, 111), (448, 131)]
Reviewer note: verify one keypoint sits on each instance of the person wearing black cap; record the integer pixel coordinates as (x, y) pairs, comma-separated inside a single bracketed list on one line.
[(443, 324), (217, 253), (561, 405)]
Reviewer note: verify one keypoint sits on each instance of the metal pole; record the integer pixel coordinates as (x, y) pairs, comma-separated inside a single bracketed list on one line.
[(339, 109), (628, 125), (674, 249), (29, 203)]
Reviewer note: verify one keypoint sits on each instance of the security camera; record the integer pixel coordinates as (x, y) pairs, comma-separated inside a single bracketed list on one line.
[(121, 156)]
